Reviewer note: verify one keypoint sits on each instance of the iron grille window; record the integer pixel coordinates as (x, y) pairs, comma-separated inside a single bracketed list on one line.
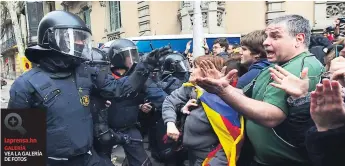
[(115, 15), (86, 17)]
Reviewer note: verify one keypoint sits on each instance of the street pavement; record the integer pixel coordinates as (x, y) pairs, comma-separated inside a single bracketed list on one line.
[(118, 155)]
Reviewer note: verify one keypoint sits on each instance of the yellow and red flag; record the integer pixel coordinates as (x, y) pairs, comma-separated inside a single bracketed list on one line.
[(226, 123)]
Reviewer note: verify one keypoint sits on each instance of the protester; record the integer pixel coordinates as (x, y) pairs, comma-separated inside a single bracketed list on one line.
[(324, 140), (253, 56), (200, 137), (266, 107), (220, 47), (333, 52)]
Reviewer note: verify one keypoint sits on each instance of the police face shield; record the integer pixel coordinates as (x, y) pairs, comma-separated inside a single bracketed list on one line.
[(99, 57), (182, 66), (71, 41), (100, 60), (130, 55)]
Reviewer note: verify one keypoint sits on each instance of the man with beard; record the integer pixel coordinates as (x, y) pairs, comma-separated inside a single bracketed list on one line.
[(61, 86), (270, 119)]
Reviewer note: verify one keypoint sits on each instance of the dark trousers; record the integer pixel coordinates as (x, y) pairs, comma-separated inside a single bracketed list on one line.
[(102, 150), (254, 163), (86, 159), (135, 152)]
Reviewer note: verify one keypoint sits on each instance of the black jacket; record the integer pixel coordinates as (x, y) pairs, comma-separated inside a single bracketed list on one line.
[(326, 148)]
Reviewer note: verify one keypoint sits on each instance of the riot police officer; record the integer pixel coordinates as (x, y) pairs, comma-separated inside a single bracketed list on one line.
[(61, 85), (102, 134), (123, 114), (175, 71), (172, 72)]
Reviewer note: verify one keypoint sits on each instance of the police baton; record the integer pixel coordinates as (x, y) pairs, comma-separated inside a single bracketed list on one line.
[(137, 140)]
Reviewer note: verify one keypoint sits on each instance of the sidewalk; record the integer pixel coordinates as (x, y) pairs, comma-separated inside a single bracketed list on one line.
[(5, 93)]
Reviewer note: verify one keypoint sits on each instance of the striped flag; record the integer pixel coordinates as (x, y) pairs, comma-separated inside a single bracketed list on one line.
[(226, 123)]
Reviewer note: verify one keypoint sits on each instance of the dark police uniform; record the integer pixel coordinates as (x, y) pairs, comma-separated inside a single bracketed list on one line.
[(103, 136), (123, 113), (61, 86), (174, 71)]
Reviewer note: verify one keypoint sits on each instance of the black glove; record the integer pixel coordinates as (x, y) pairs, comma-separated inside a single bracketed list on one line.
[(152, 59), (120, 138)]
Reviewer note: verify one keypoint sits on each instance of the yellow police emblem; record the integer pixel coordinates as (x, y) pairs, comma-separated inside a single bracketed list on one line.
[(85, 100)]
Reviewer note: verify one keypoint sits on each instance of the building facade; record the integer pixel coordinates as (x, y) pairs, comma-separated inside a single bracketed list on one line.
[(110, 20), (29, 15)]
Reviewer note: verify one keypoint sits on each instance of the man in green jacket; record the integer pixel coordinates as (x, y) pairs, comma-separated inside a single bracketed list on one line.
[(265, 106)]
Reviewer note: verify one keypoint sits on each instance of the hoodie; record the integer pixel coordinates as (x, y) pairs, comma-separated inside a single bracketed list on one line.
[(253, 71)]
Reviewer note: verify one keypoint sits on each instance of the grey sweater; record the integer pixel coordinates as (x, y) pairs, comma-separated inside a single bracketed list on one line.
[(198, 134)]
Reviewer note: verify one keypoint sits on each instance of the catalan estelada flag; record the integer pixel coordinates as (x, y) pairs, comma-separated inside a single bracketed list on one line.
[(226, 123)]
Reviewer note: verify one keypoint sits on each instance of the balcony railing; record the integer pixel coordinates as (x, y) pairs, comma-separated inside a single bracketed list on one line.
[(8, 44)]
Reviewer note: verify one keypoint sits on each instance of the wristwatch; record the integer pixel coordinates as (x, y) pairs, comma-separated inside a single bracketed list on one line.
[(299, 101)]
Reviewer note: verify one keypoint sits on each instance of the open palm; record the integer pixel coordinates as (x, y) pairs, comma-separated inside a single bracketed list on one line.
[(327, 105), (214, 81), (210, 71), (294, 86)]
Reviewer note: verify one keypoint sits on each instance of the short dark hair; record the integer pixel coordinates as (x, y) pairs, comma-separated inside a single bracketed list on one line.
[(232, 63), (222, 42), (254, 42)]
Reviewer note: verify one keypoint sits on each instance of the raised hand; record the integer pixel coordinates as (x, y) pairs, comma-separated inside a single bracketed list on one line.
[(327, 106), (216, 86), (205, 46), (337, 69), (188, 45), (209, 70), (152, 58), (292, 85)]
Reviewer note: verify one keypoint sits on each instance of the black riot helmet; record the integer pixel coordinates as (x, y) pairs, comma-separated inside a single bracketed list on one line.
[(99, 57), (66, 33), (175, 63), (123, 53)]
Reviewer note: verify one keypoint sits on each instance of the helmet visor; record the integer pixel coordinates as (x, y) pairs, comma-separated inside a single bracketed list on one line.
[(73, 42), (131, 56), (98, 56), (182, 66)]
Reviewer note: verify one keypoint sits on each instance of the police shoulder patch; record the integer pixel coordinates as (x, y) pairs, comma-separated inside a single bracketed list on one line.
[(85, 100)]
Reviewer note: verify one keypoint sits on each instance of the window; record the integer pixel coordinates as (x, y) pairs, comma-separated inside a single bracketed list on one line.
[(115, 15), (86, 17), (35, 14), (275, 6), (274, 9), (51, 5)]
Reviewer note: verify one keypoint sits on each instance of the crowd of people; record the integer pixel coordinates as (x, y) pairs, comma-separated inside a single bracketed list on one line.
[(284, 92), (272, 100)]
